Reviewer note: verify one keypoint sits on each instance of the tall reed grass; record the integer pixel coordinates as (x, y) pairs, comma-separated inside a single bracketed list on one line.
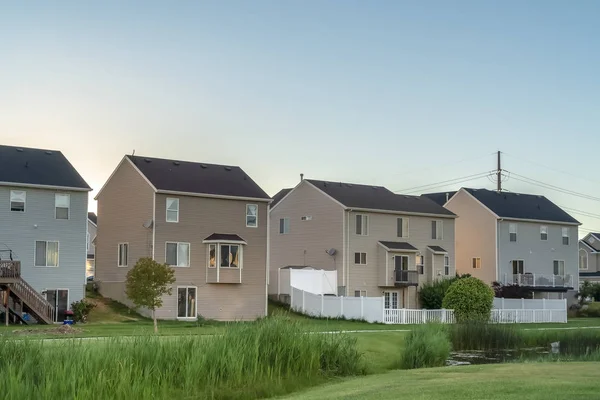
[(426, 346), (476, 335), (271, 357), (577, 342)]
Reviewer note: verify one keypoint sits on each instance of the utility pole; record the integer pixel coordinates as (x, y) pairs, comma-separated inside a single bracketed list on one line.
[(499, 174)]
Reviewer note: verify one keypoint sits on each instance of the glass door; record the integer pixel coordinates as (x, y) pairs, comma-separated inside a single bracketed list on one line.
[(186, 302), (59, 298)]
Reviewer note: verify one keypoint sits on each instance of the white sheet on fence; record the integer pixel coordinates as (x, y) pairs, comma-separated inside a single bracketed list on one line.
[(315, 281), (529, 304)]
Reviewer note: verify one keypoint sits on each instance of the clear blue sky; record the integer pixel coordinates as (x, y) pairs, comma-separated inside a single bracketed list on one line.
[(393, 93)]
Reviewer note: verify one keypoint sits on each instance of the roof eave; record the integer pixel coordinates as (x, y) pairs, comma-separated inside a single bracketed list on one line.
[(540, 221), (214, 196), (375, 210), (50, 187)]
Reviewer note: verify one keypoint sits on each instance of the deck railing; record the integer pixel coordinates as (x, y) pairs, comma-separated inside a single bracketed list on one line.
[(34, 300), (407, 277), (10, 269), (539, 280)]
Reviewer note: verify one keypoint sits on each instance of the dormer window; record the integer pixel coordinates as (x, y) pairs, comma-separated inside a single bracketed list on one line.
[(17, 200)]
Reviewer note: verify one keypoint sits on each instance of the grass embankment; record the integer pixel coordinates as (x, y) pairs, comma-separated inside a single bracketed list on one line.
[(271, 357), (530, 381)]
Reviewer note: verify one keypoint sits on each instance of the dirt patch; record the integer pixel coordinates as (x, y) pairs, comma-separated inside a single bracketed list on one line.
[(58, 331)]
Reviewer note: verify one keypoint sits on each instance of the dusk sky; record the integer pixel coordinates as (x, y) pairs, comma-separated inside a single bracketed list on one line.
[(393, 93)]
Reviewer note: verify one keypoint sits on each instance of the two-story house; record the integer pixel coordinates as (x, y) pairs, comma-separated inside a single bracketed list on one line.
[(514, 238), (43, 225), (380, 243), (90, 246), (589, 263), (209, 222)]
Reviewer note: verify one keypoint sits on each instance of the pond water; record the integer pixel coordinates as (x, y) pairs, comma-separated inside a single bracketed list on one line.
[(475, 357)]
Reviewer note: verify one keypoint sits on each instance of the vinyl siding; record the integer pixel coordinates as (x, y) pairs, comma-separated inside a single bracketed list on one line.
[(308, 240), (475, 237), (124, 205), (592, 259), (91, 249), (20, 231), (383, 227), (200, 217)]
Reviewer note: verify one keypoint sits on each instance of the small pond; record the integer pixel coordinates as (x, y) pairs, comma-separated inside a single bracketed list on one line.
[(475, 357)]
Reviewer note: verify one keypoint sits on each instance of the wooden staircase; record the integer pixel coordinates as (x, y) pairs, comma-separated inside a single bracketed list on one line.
[(19, 297)]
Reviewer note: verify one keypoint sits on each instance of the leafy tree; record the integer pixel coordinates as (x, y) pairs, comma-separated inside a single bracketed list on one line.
[(511, 291), (470, 298), (432, 294), (147, 282), (589, 290)]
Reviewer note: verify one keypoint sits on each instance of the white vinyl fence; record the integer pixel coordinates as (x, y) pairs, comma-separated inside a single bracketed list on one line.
[(529, 311), (410, 316)]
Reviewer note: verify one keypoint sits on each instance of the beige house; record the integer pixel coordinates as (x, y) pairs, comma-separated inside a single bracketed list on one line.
[(209, 222), (589, 264), (380, 243)]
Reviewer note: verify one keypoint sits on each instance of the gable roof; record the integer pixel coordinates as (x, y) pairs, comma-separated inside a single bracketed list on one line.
[(441, 197), (367, 197), (589, 246), (38, 167), (511, 205), (279, 196), (198, 178), (93, 218)]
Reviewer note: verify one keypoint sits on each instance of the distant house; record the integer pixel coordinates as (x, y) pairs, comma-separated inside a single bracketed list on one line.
[(43, 214), (514, 238), (209, 222), (380, 243), (90, 246), (589, 263)]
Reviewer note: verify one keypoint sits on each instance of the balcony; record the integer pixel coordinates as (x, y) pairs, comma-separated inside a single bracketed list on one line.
[(406, 278), (539, 281)]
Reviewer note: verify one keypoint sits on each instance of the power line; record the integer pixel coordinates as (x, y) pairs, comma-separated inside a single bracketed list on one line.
[(443, 183), (478, 157), (551, 187), (586, 213), (550, 168)]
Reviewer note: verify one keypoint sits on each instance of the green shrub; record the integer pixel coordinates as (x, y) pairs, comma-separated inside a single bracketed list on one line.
[(478, 335), (591, 310), (470, 298), (574, 342), (81, 309), (432, 294), (426, 346), (589, 290)]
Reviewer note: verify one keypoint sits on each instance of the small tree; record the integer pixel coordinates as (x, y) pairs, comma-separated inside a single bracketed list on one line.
[(470, 298), (147, 282), (431, 295)]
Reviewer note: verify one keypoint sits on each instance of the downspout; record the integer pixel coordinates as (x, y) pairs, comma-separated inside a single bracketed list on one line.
[(347, 283)]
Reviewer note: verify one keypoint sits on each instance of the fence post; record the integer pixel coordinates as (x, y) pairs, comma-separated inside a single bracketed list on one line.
[(443, 315), (543, 304), (362, 315), (342, 306), (503, 303), (303, 302), (423, 316), (383, 308), (522, 303), (291, 297), (322, 303), (404, 315)]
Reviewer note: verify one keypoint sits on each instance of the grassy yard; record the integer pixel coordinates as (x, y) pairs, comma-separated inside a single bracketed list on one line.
[(502, 381)]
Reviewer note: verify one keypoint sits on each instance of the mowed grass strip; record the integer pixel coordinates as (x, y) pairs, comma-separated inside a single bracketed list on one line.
[(543, 381)]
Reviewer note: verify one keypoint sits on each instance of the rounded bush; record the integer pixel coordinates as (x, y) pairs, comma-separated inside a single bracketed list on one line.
[(470, 298)]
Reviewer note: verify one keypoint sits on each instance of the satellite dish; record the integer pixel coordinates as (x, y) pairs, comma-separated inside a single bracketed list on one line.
[(148, 224), (331, 252)]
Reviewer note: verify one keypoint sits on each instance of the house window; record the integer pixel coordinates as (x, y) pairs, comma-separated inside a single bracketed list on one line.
[(360, 293), (362, 224), (178, 254), (402, 227), (476, 262), (46, 254), (251, 215), (512, 232), (543, 232), (517, 267), (212, 256), (437, 228), (87, 241), (360, 258), (306, 218), (186, 302), (123, 254), (284, 225), (172, 209), (565, 236), (230, 255), (391, 300), (583, 259), (419, 263), (62, 203), (446, 265), (17, 200), (559, 267)]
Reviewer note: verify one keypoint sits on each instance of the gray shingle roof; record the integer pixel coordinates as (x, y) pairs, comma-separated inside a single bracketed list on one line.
[(200, 178), (398, 245), (378, 198), (224, 237), (279, 196), (437, 249), (440, 197), (92, 217), (38, 167)]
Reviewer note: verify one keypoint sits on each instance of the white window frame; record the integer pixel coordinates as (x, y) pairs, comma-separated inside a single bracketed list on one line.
[(446, 265), (360, 293), (46, 256), (563, 267), (250, 215), (388, 300), (476, 263), (512, 225), (586, 260), (189, 260), (240, 255), (119, 247), (283, 223), (512, 267), (15, 197), (364, 225), (439, 229), (195, 314), (567, 230), (360, 258), (543, 231), (420, 266), (175, 200), (68, 196), (218, 246), (400, 222)]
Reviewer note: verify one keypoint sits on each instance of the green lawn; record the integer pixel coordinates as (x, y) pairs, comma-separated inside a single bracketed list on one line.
[(502, 381)]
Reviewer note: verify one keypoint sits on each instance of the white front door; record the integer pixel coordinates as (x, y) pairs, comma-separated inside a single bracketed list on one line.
[(391, 300)]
